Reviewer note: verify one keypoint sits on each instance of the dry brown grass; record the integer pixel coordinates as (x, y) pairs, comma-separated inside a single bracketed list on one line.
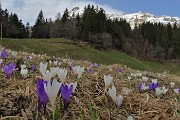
[(16, 102)]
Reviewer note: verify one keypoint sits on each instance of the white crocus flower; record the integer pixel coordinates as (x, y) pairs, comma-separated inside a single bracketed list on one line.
[(144, 78), (119, 100), (23, 66), (133, 75), (14, 53), (30, 57), (125, 91), (24, 72), (172, 84), (74, 85), (164, 90), (55, 63), (158, 91), (59, 63), (112, 93), (1, 60), (154, 81), (43, 67), (139, 74), (54, 71), (47, 76), (129, 78), (107, 80), (78, 70), (50, 62), (144, 87), (130, 118), (62, 73), (52, 90)]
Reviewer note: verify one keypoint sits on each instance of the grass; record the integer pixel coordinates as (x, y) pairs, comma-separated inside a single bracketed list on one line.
[(66, 48)]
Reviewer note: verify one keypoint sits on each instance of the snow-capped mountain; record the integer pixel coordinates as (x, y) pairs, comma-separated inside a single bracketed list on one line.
[(135, 18), (140, 17)]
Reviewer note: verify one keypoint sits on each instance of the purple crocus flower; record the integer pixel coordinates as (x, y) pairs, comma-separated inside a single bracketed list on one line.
[(148, 74), (66, 93), (42, 96), (27, 57), (70, 65), (118, 70), (33, 67), (90, 71), (139, 86), (4, 54), (153, 86), (8, 69), (93, 64)]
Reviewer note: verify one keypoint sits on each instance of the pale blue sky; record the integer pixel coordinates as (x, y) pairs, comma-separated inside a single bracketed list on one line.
[(28, 10), (157, 7)]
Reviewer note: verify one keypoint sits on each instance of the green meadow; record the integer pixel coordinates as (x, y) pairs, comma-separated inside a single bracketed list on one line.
[(66, 48)]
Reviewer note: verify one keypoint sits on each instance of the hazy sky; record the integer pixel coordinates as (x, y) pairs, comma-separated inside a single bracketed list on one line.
[(28, 10)]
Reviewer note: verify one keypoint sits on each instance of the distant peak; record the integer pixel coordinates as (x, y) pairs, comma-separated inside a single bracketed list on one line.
[(134, 18)]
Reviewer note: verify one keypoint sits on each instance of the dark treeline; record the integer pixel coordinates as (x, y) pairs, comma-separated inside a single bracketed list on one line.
[(11, 26), (148, 40)]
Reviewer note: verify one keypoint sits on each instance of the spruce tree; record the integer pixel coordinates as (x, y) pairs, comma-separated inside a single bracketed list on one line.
[(38, 29), (65, 16)]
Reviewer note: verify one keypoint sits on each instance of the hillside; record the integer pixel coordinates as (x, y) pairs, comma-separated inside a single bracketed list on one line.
[(98, 92), (68, 49)]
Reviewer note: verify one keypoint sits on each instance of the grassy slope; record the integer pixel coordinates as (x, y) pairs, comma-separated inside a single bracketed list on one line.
[(57, 47)]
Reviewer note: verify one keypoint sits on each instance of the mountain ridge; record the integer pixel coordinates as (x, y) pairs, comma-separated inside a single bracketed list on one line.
[(135, 18)]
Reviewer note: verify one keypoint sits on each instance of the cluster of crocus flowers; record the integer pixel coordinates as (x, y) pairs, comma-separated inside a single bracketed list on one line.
[(117, 99), (142, 86), (153, 85), (136, 74), (53, 87), (78, 71), (118, 70), (93, 64), (160, 91), (48, 91), (8, 70), (112, 91)]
